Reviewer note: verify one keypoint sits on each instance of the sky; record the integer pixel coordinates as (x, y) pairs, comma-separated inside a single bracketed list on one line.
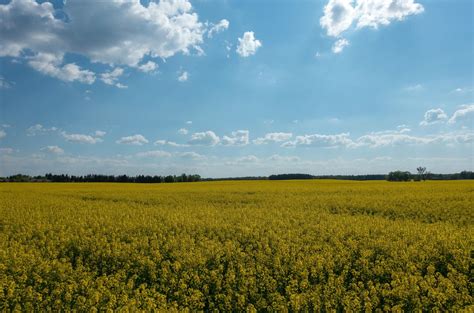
[(236, 87)]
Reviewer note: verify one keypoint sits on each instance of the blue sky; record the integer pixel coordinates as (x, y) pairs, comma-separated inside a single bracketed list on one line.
[(236, 88)]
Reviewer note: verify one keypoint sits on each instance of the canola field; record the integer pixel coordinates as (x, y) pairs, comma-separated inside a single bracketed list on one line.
[(237, 246)]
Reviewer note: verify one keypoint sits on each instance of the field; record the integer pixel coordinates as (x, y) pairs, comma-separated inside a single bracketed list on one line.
[(238, 246)]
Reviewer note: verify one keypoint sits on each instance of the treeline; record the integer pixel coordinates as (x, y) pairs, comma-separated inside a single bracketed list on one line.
[(342, 177), (290, 176), (407, 176), (95, 178), (237, 178)]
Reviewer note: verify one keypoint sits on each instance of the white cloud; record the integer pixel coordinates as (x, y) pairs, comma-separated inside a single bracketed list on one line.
[(450, 138), (53, 149), (248, 159), (416, 87), (389, 138), (392, 139), (192, 155), (272, 137), (154, 154), (5, 84), (6, 150), (51, 64), (183, 131), (238, 138), (131, 32), (466, 112), (175, 144), (136, 140), (189, 122), (161, 142), (339, 45), (111, 78), (183, 77), (279, 158), (217, 28), (207, 138), (3, 134), (248, 45), (461, 90), (373, 13), (318, 140), (39, 129), (434, 116), (340, 15), (149, 66), (100, 133), (81, 138)]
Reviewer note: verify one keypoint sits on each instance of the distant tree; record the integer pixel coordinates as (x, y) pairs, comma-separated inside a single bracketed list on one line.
[(290, 176), (421, 172), (466, 175), (399, 176), (169, 179)]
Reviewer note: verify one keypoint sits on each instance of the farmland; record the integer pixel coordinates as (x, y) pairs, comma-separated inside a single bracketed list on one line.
[(242, 246)]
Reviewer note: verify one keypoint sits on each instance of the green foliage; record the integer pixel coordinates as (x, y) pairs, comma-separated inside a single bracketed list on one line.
[(399, 176), (237, 246)]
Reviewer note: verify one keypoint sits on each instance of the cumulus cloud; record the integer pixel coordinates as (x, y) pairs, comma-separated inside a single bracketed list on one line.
[(100, 133), (247, 159), (161, 142), (272, 137), (136, 140), (339, 45), (154, 154), (238, 138), (192, 155), (183, 131), (416, 87), (6, 150), (390, 139), (217, 28), (39, 129), (183, 77), (318, 140), (51, 64), (461, 90), (147, 67), (53, 149), (207, 138), (280, 158), (111, 77), (3, 134), (466, 112), (373, 13), (433, 116), (398, 138), (131, 32), (5, 84), (80, 138), (248, 45), (340, 15)]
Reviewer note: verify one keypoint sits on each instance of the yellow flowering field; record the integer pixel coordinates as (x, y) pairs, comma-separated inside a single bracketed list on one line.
[(315, 245)]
